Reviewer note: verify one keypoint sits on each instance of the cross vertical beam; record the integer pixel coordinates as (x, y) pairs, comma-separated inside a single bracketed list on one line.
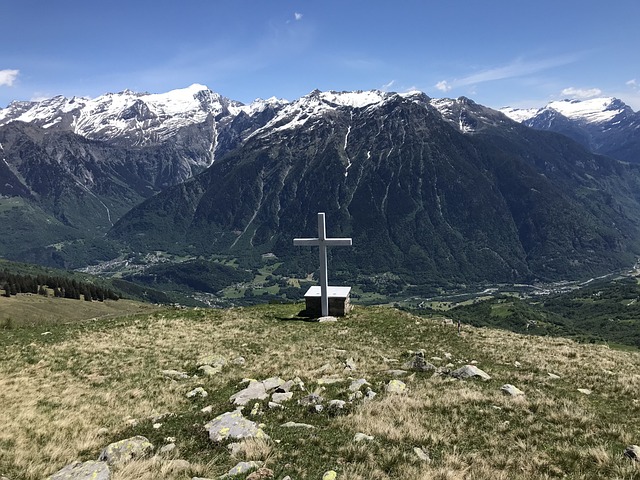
[(323, 242)]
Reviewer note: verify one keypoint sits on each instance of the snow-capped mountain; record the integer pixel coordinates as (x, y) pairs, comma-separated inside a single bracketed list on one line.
[(604, 125)]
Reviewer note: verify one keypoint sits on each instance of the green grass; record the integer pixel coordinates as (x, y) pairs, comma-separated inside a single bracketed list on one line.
[(89, 375)]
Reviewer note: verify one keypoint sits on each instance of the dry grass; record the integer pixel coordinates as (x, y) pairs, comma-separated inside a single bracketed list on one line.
[(67, 395)]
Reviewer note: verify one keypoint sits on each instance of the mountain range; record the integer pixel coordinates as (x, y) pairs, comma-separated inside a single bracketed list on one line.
[(431, 190)]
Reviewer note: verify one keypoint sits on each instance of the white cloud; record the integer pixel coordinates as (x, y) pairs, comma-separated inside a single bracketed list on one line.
[(581, 92), (387, 86), (298, 16), (633, 83), (7, 77), (443, 86)]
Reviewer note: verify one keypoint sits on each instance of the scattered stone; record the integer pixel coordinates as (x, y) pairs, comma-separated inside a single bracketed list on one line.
[(207, 409), (256, 410), (327, 319), (357, 395), (350, 365), (242, 468), (272, 383), (473, 362), (90, 470), (447, 321), (212, 360), (170, 439), (273, 405), (586, 391), (421, 454), (174, 374), (470, 371), (254, 391), (125, 450), (330, 475), (553, 376), (239, 361), (362, 437), (395, 386), (312, 399), (517, 364), (281, 397), (632, 452), (168, 448), (197, 392), (297, 425), (157, 425), (233, 426), (209, 371), (317, 408), (44, 334), (336, 404), (179, 464), (447, 355), (511, 390), (262, 473), (436, 359), (417, 363), (396, 373), (370, 395), (101, 433), (356, 384)]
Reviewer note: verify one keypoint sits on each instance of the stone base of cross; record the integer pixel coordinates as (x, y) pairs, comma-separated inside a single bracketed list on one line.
[(323, 242)]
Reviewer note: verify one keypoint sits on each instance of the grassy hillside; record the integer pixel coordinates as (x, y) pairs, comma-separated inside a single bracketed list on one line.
[(68, 394)]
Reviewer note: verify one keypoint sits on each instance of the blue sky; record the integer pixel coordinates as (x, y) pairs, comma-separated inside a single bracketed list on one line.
[(520, 53)]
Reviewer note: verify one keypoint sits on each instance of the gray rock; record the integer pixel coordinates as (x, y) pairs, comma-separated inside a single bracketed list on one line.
[(586, 391), (336, 404), (331, 379), (233, 426), (242, 468), (395, 386), (316, 408), (470, 371), (90, 470), (273, 405), (327, 319), (272, 383), (553, 376), (632, 452), (254, 391), (421, 454), (281, 397), (417, 363), (350, 364), (175, 374), (179, 464), (297, 425), (511, 390), (239, 361), (197, 392), (362, 437), (125, 450), (209, 371), (212, 360), (370, 394), (170, 447), (356, 384), (357, 395), (312, 399), (396, 373)]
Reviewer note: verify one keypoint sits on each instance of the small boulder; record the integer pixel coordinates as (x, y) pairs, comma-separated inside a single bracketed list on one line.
[(553, 376), (586, 391), (125, 450), (396, 386), (90, 470), (242, 468), (197, 392), (327, 319), (233, 426), (632, 452), (210, 371), (174, 374), (421, 454), (262, 473), (254, 391), (297, 425), (362, 437), (356, 384), (470, 371), (312, 399), (511, 390), (330, 475), (336, 405), (417, 363), (350, 365), (168, 448)]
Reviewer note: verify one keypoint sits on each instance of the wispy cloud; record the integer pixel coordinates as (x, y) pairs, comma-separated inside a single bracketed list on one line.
[(517, 68), (298, 16), (581, 92), (8, 77), (633, 83), (387, 86)]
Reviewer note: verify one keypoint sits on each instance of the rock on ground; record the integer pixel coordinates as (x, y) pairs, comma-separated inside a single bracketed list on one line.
[(418, 363), (632, 452), (511, 390), (175, 374), (242, 468), (297, 425), (233, 426), (90, 470), (396, 386), (470, 371), (125, 450), (263, 473), (362, 437), (197, 392)]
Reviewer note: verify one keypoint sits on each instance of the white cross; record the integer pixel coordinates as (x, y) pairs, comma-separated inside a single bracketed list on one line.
[(323, 242)]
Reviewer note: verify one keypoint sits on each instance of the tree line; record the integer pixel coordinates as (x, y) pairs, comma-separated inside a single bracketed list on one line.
[(62, 287)]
